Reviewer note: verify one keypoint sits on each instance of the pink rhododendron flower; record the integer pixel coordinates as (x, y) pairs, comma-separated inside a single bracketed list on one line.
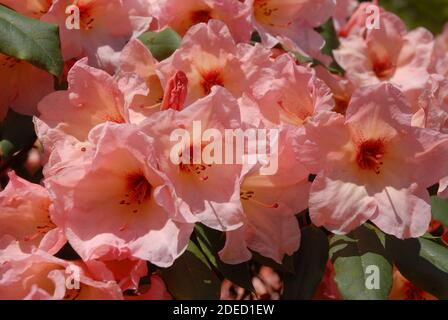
[(182, 15), (372, 165), (93, 97), (434, 113), (290, 93), (357, 24), (343, 11), (341, 88), (292, 23), (388, 54), (209, 57), (205, 192), (125, 198), (40, 276), (104, 28), (137, 59), (25, 216), (127, 272), (270, 204), (23, 85), (31, 8), (440, 56)]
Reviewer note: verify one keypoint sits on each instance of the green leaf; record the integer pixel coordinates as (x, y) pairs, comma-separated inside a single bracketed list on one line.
[(352, 257), (191, 278), (31, 40), (161, 44), (423, 262), (331, 38), (439, 209), (309, 264), (211, 242)]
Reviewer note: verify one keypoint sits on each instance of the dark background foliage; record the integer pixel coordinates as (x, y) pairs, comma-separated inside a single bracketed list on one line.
[(432, 14)]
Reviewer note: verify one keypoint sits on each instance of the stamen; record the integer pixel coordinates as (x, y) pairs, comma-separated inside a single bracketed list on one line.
[(249, 196)]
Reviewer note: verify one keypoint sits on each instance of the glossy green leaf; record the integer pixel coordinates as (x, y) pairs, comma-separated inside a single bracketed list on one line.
[(211, 242), (191, 277), (439, 209), (423, 262), (357, 258), (309, 264), (161, 44), (31, 40)]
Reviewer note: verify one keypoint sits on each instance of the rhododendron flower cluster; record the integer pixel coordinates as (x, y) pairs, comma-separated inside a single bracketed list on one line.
[(238, 137)]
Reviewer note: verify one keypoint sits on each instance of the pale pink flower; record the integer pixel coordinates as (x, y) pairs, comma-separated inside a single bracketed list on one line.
[(31, 8), (289, 93), (182, 15), (389, 54), (125, 272), (341, 88), (270, 204), (137, 59), (209, 57), (440, 56), (40, 276), (357, 24), (373, 165), (93, 97), (105, 26), (23, 85), (433, 103), (343, 10), (292, 23), (25, 216), (205, 192), (117, 203), (434, 113)]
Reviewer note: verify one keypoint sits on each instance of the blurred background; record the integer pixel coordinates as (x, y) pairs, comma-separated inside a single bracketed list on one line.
[(432, 14)]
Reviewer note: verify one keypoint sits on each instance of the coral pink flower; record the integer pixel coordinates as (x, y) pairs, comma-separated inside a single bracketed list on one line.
[(137, 59), (388, 54), (30, 8), (357, 24), (182, 15), (270, 204), (209, 57), (105, 26), (93, 97), (372, 165), (25, 216), (434, 113), (116, 202), (434, 105), (292, 23), (206, 192), (343, 10), (23, 85), (341, 88), (440, 56), (40, 276), (126, 272), (290, 93)]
